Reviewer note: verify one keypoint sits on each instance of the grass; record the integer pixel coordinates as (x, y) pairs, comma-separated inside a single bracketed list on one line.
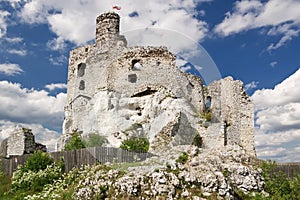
[(124, 166), (5, 186)]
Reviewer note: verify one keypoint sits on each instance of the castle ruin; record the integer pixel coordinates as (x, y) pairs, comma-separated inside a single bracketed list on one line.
[(120, 92), (20, 141)]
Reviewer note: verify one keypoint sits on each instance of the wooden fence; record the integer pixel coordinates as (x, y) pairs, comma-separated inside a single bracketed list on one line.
[(76, 158), (290, 169), (93, 155)]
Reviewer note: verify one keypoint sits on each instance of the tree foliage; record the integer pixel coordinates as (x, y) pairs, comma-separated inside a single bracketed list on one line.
[(94, 140), (136, 144), (37, 161), (278, 185), (75, 142)]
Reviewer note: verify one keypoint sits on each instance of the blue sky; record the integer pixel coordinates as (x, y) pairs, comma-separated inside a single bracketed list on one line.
[(251, 40)]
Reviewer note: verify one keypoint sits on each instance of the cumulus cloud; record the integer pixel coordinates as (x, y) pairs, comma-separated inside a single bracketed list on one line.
[(14, 40), (18, 52), (31, 106), (278, 119), (54, 86), (10, 69), (3, 22), (57, 44), (175, 15), (282, 94), (58, 60), (42, 134), (251, 85), (273, 64), (282, 18)]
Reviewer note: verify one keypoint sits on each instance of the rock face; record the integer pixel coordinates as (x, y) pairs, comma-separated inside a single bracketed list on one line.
[(121, 92), (21, 141), (220, 173)]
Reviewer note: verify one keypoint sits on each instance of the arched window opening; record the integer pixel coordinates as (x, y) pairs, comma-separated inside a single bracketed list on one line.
[(81, 85), (136, 65), (208, 102), (81, 69)]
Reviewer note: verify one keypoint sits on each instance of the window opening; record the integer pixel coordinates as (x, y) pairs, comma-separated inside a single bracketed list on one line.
[(132, 78), (136, 65), (81, 85), (81, 69)]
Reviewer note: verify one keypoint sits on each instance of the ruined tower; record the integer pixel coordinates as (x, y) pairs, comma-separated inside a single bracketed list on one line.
[(107, 28)]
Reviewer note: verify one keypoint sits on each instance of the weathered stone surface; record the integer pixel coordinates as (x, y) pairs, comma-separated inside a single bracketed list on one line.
[(232, 112), (218, 175), (121, 92), (21, 141)]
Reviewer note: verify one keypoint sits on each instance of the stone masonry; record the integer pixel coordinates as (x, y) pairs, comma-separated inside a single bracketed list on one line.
[(121, 92), (21, 141)]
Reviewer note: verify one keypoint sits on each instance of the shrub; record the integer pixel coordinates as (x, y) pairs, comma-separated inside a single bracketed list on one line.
[(136, 144), (94, 140), (35, 181), (278, 185), (74, 143), (207, 115), (183, 158), (5, 183), (38, 170), (37, 161)]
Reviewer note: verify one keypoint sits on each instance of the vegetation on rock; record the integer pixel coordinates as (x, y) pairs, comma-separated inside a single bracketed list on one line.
[(136, 144), (101, 181), (94, 140), (75, 142)]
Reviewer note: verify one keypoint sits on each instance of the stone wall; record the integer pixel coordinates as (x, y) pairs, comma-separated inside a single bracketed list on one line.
[(232, 108), (21, 141)]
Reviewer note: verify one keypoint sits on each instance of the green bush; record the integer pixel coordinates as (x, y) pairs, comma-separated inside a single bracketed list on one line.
[(37, 161), (136, 144), (278, 185), (35, 181), (5, 183), (38, 170), (75, 143), (94, 140), (207, 115), (183, 158)]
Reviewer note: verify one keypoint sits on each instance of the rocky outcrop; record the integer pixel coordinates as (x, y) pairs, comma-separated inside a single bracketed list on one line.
[(222, 173)]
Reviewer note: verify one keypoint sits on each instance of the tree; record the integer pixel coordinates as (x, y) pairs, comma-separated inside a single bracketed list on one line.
[(74, 143)]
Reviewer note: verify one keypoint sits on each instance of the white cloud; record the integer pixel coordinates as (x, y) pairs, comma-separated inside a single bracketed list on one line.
[(42, 134), (251, 85), (278, 120), (18, 52), (280, 17), (54, 86), (15, 3), (31, 106), (3, 22), (282, 94), (273, 64), (75, 22), (59, 60), (10, 69), (14, 40), (57, 44)]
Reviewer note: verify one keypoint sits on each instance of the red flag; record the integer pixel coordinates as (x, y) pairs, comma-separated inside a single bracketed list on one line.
[(116, 7)]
